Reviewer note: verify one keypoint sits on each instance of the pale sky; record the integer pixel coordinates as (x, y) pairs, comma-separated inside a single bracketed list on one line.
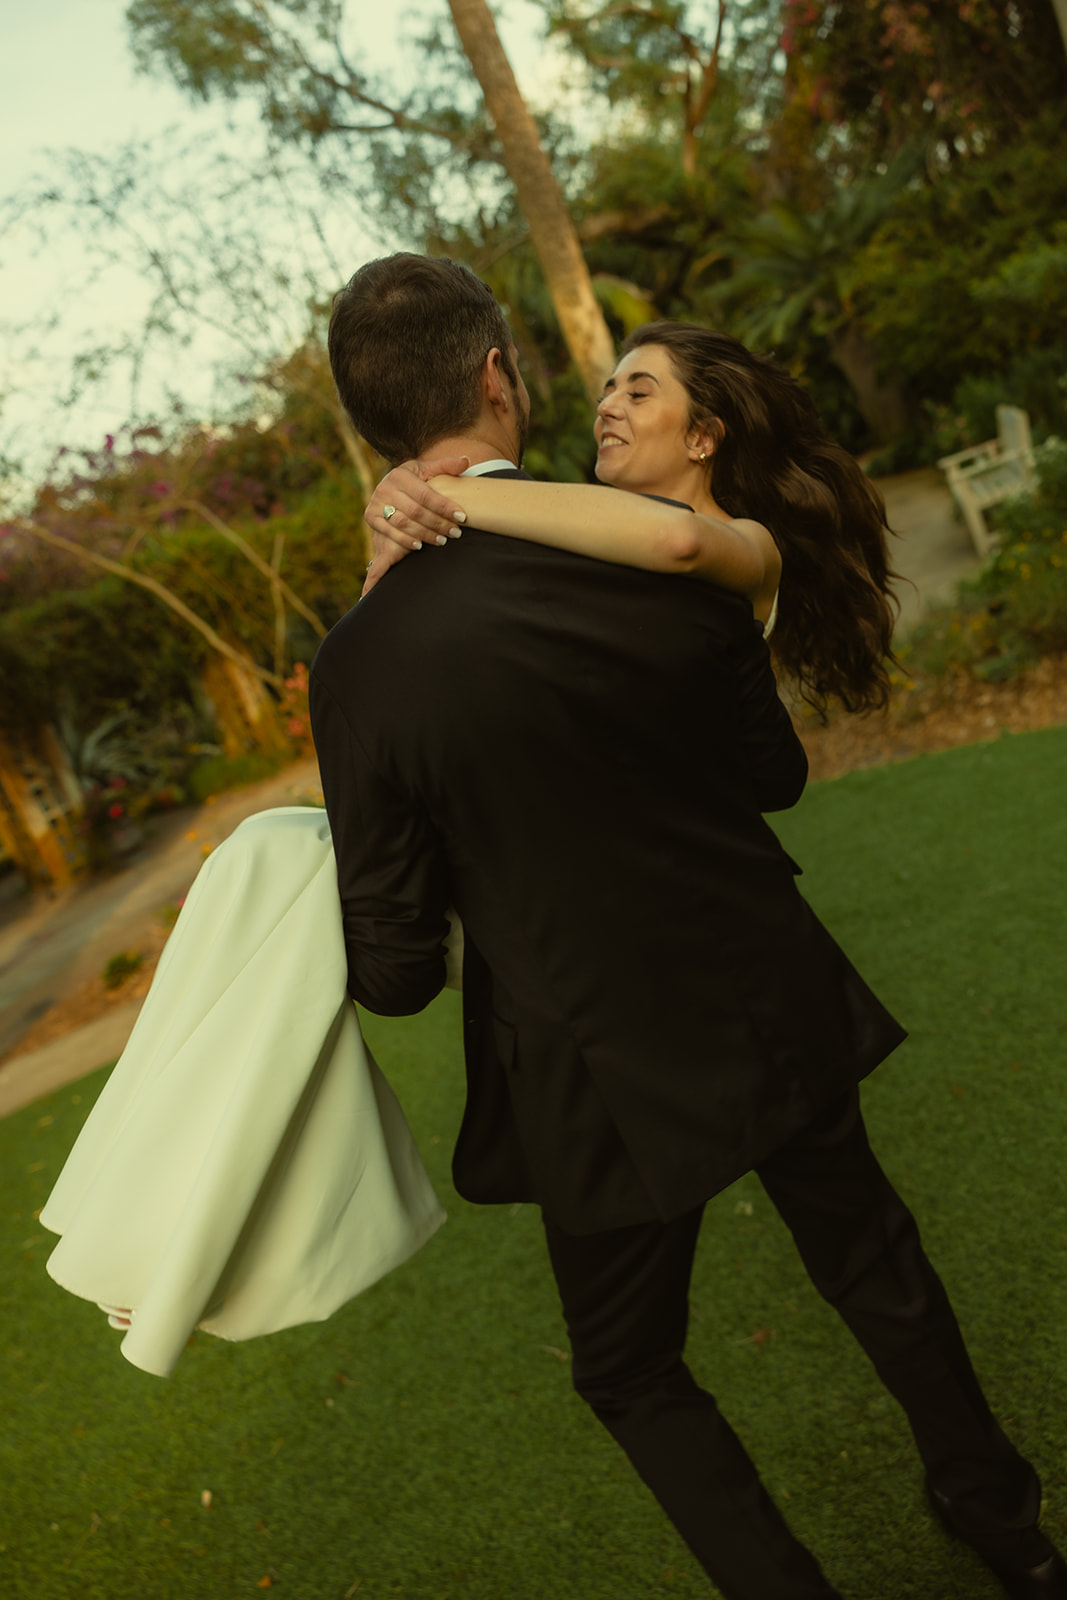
[(67, 82)]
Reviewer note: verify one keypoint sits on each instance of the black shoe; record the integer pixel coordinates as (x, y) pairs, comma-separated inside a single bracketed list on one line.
[(1045, 1581)]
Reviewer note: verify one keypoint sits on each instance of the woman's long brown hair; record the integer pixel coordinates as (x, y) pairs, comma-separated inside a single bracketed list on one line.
[(774, 462)]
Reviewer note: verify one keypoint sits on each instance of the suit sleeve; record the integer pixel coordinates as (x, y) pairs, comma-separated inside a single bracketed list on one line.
[(392, 874), (777, 762)]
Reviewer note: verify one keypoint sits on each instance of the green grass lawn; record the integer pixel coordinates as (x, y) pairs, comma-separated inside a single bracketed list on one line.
[(425, 1442)]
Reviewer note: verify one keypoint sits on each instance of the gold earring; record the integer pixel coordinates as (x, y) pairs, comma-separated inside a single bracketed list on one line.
[(703, 455)]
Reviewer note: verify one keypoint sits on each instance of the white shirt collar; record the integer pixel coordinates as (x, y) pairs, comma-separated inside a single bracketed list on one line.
[(489, 466)]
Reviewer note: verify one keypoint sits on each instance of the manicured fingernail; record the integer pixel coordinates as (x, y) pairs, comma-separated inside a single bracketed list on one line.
[(460, 516), (417, 545), (440, 539), (455, 533)]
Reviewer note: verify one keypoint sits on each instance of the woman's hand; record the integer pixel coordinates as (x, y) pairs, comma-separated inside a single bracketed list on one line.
[(416, 513)]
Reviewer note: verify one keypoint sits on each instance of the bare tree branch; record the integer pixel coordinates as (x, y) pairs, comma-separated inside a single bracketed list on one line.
[(160, 591), (265, 567)]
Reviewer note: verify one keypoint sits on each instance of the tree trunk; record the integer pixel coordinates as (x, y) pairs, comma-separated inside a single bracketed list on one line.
[(540, 201), (882, 404), (1060, 8)]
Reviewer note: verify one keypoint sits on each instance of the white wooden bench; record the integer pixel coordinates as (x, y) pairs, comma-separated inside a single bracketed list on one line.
[(991, 472)]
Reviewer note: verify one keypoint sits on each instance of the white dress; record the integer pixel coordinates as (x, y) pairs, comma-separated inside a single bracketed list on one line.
[(246, 1167)]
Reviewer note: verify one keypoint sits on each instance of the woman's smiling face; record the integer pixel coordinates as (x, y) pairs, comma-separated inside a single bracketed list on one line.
[(644, 439)]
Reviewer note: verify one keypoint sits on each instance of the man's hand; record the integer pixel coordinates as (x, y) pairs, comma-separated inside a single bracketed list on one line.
[(417, 513)]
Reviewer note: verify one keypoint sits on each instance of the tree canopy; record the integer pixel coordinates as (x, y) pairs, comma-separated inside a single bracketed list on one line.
[(874, 191)]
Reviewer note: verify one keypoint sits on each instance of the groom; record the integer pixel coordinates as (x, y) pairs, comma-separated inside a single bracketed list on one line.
[(576, 756)]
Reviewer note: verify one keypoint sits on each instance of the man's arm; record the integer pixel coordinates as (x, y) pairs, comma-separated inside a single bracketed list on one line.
[(777, 762), (391, 873)]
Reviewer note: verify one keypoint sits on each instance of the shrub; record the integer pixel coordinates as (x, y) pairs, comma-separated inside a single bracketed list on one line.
[(1015, 611), (229, 772), (295, 713), (122, 967)]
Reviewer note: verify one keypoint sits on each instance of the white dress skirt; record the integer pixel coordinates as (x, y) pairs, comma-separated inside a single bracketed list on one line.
[(246, 1167)]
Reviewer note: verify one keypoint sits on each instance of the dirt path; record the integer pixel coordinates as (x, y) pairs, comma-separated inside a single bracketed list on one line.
[(54, 947), (932, 550)]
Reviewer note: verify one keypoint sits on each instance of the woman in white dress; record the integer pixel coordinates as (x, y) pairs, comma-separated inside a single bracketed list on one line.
[(247, 1166)]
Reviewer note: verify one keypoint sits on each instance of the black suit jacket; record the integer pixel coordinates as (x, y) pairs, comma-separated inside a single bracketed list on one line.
[(576, 755)]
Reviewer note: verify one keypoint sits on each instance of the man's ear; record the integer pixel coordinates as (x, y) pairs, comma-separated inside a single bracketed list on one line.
[(493, 385)]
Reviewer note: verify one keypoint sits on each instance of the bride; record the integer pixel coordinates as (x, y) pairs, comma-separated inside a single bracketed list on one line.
[(247, 1167), (765, 499)]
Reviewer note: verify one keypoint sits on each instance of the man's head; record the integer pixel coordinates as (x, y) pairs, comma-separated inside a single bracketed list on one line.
[(411, 347)]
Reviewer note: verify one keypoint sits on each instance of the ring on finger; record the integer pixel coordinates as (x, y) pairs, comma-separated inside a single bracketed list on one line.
[(388, 511)]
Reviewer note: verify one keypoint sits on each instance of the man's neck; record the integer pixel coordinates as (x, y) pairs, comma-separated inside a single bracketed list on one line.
[(477, 450)]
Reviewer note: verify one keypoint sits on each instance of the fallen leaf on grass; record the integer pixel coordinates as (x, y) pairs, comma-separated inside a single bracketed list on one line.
[(266, 1582), (551, 1350), (760, 1337), (205, 1499)]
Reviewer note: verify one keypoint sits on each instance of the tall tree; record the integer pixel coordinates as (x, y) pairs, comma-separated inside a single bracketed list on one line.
[(539, 197), (665, 63), (290, 55)]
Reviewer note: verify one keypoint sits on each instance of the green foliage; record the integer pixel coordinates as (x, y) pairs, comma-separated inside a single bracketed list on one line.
[(561, 446), (1015, 610), (229, 772), (93, 650), (288, 58), (112, 666), (654, 57), (957, 287), (969, 73), (121, 967), (792, 267)]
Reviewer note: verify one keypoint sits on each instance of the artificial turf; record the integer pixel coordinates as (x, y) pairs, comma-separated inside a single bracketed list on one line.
[(425, 1441)]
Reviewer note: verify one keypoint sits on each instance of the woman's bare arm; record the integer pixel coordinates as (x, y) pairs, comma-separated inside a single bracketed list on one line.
[(611, 525), (607, 524)]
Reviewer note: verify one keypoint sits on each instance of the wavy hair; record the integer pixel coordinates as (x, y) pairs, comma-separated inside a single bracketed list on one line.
[(775, 463)]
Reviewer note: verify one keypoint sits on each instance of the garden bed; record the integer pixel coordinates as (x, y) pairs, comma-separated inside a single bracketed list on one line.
[(958, 709)]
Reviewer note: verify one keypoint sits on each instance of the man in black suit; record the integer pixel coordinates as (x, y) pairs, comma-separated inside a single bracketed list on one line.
[(576, 756)]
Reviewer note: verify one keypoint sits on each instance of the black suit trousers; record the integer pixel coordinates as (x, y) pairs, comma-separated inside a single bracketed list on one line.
[(625, 1299)]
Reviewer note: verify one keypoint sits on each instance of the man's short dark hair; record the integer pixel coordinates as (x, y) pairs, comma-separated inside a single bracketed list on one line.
[(408, 340)]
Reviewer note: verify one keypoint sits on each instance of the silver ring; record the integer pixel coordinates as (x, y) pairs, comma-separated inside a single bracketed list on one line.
[(388, 511)]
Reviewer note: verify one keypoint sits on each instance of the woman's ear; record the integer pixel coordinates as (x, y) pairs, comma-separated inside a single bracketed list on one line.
[(700, 444), (704, 439)]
